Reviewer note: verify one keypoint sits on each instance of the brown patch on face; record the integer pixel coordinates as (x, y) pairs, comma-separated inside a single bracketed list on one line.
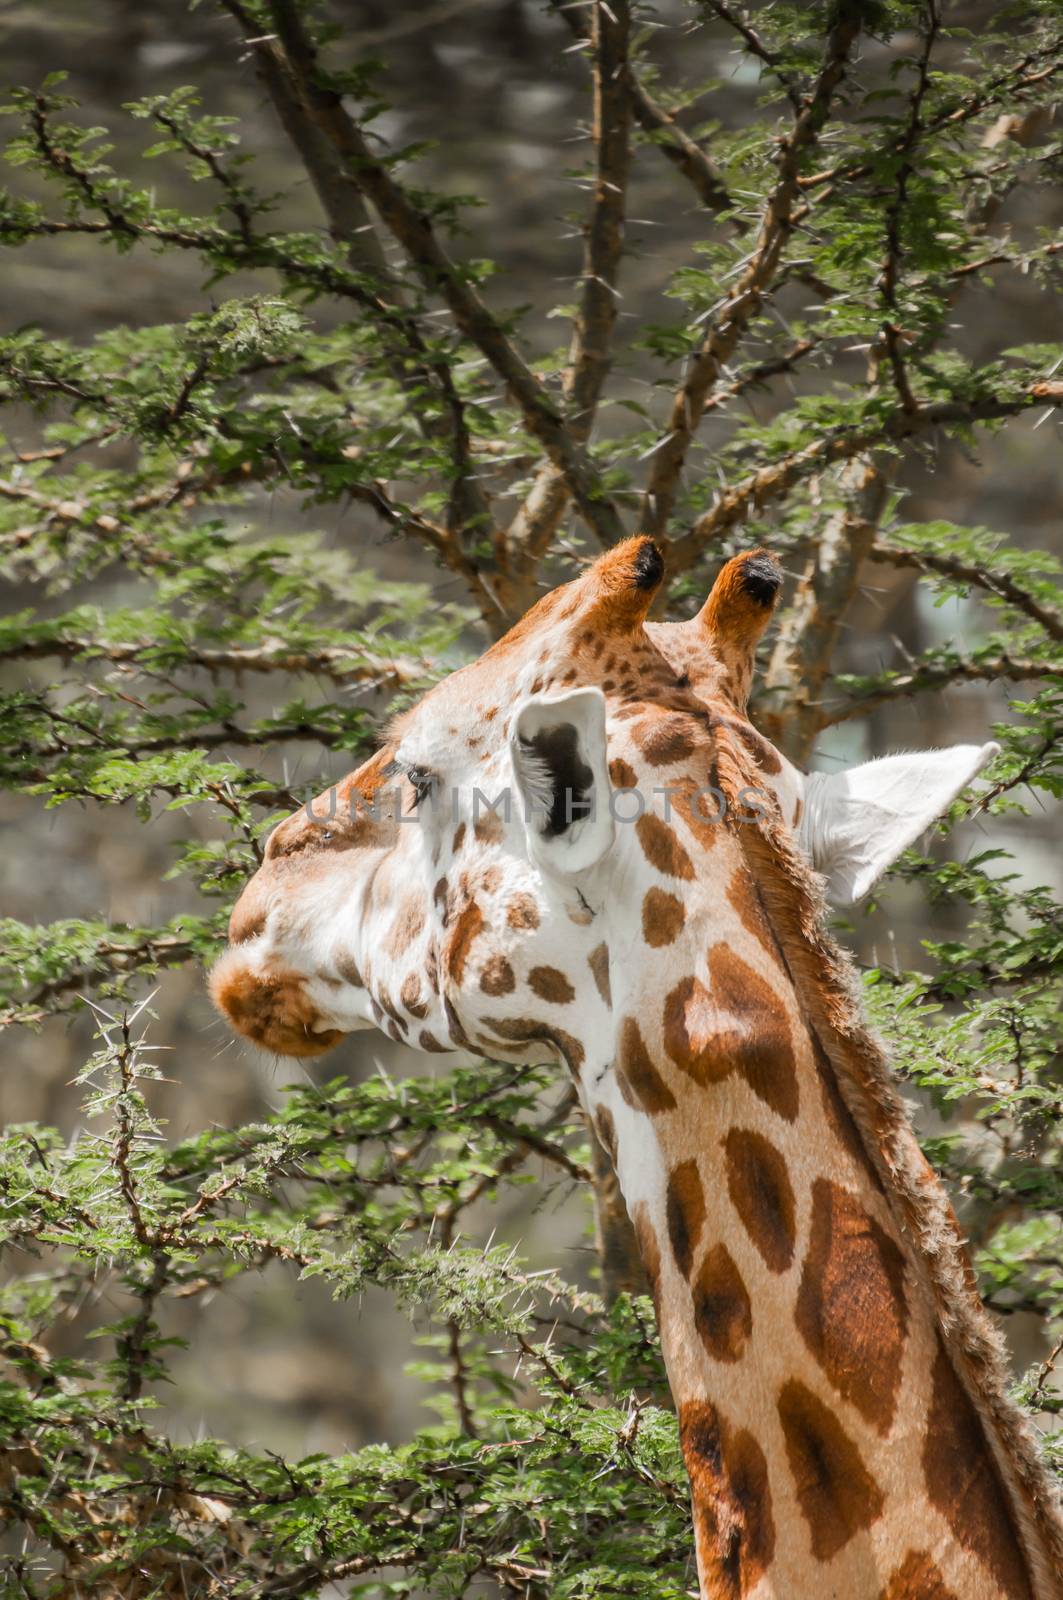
[(734, 1025), (661, 847), (761, 1193), (662, 918), (685, 1213), (410, 995), (458, 839), (551, 985), (490, 879), (851, 1310), (407, 926), (917, 1578), (271, 1009), (963, 1483), (731, 1494), (605, 1128), (639, 1080), (723, 1314), (838, 1496), (384, 1004), (457, 1033), (522, 912), (664, 741), (525, 1030), (497, 977), (468, 926), (622, 774), (488, 827), (349, 972), (598, 961)]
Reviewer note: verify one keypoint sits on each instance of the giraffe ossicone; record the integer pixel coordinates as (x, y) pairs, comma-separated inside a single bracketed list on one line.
[(841, 1393)]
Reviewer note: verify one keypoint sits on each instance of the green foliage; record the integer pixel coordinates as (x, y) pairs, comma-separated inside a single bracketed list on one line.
[(345, 374)]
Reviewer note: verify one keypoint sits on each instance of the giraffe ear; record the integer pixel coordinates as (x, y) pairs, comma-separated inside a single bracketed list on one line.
[(557, 744), (855, 824)]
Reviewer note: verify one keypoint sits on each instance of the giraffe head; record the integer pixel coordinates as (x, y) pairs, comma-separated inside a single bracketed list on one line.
[(540, 815)]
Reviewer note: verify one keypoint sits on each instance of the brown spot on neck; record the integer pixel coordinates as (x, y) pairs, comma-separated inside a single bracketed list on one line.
[(497, 977), (598, 961), (851, 1308), (731, 1493), (837, 1495), (522, 913), (761, 1193), (736, 1024), (663, 917), (639, 1081), (723, 1312), (685, 1213), (551, 985), (410, 995), (917, 1578), (662, 849), (963, 1483), (664, 740)]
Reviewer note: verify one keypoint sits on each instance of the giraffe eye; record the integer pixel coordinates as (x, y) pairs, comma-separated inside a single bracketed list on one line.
[(422, 782)]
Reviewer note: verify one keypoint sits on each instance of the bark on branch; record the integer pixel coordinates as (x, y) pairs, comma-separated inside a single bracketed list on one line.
[(941, 675), (535, 524), (771, 483), (1000, 584), (413, 230), (729, 324)]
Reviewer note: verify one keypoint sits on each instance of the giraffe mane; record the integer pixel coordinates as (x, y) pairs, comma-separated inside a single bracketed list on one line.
[(828, 989)]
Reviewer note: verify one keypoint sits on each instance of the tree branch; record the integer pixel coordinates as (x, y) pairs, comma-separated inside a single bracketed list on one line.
[(533, 528), (1000, 584), (730, 322), (773, 482), (351, 225), (674, 143), (800, 661), (341, 663), (413, 230), (935, 675)]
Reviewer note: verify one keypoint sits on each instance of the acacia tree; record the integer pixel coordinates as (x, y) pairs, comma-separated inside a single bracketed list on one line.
[(372, 361)]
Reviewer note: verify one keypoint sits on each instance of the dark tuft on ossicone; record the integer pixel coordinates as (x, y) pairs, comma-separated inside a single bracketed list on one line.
[(648, 566), (761, 578)]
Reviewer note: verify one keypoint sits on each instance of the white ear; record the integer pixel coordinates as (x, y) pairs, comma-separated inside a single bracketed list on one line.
[(855, 824), (557, 744)]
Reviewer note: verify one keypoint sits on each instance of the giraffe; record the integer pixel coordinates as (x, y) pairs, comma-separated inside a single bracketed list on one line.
[(579, 848)]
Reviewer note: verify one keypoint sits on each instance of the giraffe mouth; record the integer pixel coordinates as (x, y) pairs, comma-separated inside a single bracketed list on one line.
[(271, 1008)]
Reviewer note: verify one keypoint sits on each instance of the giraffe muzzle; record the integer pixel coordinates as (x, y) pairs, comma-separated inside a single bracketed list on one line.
[(271, 1008)]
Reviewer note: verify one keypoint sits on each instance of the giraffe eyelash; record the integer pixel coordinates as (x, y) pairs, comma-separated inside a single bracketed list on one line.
[(421, 779)]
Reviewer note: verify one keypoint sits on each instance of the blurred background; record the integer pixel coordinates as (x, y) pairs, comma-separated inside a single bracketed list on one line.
[(496, 84)]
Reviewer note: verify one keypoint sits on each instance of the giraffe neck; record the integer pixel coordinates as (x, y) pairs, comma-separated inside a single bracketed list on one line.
[(826, 1434)]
